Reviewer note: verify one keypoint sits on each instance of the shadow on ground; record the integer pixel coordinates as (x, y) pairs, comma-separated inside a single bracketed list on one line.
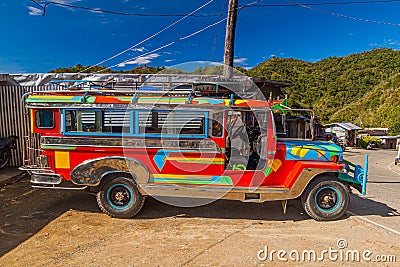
[(365, 206), (24, 211)]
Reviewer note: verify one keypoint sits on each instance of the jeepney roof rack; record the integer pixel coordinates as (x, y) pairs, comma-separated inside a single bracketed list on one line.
[(201, 88)]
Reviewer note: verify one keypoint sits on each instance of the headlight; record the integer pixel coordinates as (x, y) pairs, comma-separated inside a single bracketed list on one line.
[(335, 158)]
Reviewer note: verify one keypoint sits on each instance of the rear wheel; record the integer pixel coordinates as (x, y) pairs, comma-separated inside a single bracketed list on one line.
[(119, 197), (325, 199)]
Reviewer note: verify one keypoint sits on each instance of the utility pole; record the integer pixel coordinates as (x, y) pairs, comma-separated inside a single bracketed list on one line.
[(230, 38)]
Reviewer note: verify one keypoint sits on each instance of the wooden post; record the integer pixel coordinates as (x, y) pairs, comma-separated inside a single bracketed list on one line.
[(230, 38)]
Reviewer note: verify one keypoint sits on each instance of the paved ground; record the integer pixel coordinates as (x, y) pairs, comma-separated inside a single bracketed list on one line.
[(60, 228), (9, 175)]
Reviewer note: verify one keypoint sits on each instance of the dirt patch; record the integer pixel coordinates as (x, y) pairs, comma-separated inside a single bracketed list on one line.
[(60, 228)]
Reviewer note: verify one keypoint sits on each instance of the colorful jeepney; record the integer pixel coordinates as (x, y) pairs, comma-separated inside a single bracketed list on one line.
[(129, 144)]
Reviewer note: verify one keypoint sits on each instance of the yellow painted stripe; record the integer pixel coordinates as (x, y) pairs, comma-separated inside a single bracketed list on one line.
[(32, 118), (53, 97), (180, 176), (62, 159), (196, 159)]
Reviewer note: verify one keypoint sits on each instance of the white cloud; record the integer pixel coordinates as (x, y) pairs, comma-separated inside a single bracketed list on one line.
[(240, 60), (96, 10), (391, 41), (67, 1), (169, 60), (138, 49), (140, 60), (33, 11)]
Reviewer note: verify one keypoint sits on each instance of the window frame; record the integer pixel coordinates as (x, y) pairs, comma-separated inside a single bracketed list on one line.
[(134, 127), (53, 119), (186, 136), (70, 133)]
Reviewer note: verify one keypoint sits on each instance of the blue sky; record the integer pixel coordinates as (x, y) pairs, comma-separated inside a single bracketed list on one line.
[(65, 36)]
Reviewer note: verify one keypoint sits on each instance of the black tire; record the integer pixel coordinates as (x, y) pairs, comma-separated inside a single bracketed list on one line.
[(119, 197), (4, 158), (325, 199)]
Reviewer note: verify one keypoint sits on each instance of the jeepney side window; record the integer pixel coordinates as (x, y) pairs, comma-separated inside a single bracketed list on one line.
[(70, 121), (83, 121), (216, 124), (96, 121), (148, 122), (44, 119), (116, 121), (172, 122)]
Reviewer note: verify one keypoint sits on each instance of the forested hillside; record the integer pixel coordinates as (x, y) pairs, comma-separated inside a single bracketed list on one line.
[(359, 87)]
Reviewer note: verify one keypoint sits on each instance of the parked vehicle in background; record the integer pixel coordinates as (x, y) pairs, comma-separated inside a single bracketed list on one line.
[(342, 142), (128, 144), (6, 144)]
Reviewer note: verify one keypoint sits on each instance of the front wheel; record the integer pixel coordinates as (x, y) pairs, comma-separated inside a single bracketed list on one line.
[(325, 199), (119, 197)]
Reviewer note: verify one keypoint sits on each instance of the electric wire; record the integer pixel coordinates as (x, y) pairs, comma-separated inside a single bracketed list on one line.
[(166, 45), (344, 16), (99, 10), (173, 42), (150, 37), (325, 3), (217, 31)]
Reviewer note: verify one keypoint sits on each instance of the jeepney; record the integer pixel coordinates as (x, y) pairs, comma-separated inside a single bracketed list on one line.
[(125, 145)]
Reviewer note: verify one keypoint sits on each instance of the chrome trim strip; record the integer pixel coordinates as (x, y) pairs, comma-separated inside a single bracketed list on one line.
[(55, 187), (44, 178), (128, 142)]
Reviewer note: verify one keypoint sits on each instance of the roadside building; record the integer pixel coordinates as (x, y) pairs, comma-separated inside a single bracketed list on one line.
[(345, 130), (388, 142)]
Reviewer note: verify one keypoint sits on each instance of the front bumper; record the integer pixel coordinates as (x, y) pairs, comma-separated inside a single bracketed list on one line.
[(356, 175)]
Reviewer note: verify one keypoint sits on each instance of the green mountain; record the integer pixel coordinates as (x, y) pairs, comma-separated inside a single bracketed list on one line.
[(359, 87)]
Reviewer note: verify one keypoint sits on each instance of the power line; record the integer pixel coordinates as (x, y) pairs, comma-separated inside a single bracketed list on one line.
[(99, 10), (344, 16), (150, 37), (177, 40), (323, 3), (217, 31), (167, 45)]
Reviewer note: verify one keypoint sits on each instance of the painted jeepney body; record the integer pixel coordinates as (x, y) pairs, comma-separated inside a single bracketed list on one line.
[(192, 165)]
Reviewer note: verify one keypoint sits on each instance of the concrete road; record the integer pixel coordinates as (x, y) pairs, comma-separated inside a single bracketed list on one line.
[(64, 228), (382, 203)]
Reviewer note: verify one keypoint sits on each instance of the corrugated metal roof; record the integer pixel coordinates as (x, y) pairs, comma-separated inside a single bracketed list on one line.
[(346, 125)]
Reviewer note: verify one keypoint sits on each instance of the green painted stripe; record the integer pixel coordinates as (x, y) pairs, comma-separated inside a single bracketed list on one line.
[(52, 147), (171, 181), (225, 180), (199, 162), (267, 171)]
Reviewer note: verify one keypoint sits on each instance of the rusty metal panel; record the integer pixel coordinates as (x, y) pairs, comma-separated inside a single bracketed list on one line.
[(14, 119)]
